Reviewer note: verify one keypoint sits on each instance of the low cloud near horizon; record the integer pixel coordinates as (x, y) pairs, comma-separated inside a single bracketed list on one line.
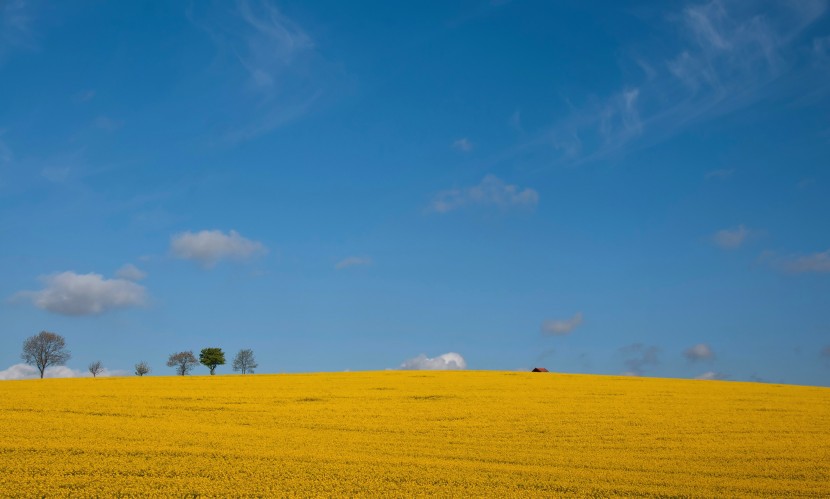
[(442, 362), (25, 371), (208, 247), (68, 293)]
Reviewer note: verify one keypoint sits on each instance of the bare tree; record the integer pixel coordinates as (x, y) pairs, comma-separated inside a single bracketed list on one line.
[(183, 362), (244, 361), (96, 368), (45, 349), (142, 368)]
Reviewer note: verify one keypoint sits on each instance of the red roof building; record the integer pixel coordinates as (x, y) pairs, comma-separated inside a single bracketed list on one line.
[(539, 370)]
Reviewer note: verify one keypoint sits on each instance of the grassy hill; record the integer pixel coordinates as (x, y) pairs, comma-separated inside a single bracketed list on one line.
[(459, 434)]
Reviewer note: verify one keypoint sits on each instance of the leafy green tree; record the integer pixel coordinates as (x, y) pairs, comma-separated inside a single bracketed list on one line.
[(244, 361), (212, 357), (183, 362), (45, 349)]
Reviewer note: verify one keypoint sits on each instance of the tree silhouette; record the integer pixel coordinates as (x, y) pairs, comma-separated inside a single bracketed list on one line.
[(244, 361), (96, 368), (212, 357), (45, 349), (183, 362)]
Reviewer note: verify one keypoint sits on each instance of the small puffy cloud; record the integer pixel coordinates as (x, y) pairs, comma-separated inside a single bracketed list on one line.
[(463, 144), (731, 238), (210, 246), (443, 362), (68, 293), (490, 191), (561, 327), (353, 261), (699, 352), (799, 264), (639, 357), (130, 272), (711, 375)]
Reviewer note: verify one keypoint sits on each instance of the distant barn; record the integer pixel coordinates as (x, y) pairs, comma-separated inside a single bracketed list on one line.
[(539, 370)]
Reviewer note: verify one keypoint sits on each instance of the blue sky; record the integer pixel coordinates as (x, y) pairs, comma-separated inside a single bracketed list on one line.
[(594, 187)]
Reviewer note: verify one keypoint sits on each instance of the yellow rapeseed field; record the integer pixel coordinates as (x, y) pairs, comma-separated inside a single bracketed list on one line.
[(396, 433)]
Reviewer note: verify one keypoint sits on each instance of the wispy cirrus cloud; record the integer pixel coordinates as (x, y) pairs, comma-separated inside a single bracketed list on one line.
[(719, 174), (490, 191), (285, 76), (69, 293), (16, 18), (726, 56), (353, 261), (816, 263), (208, 247)]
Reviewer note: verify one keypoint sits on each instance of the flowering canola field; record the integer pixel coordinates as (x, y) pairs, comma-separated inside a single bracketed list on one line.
[(407, 433)]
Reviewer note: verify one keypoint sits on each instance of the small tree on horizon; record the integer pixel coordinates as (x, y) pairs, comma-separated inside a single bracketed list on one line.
[(142, 368), (212, 357), (183, 362), (96, 368), (244, 361), (45, 349)]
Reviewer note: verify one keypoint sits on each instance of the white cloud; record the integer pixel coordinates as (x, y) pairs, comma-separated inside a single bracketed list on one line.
[(210, 246), (799, 264), (711, 375), (490, 191), (130, 272), (562, 326), (731, 238), (699, 352), (446, 361), (25, 371), (68, 293), (463, 144), (353, 261)]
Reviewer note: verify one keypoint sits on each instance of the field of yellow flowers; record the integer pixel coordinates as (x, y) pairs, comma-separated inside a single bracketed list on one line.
[(497, 434)]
